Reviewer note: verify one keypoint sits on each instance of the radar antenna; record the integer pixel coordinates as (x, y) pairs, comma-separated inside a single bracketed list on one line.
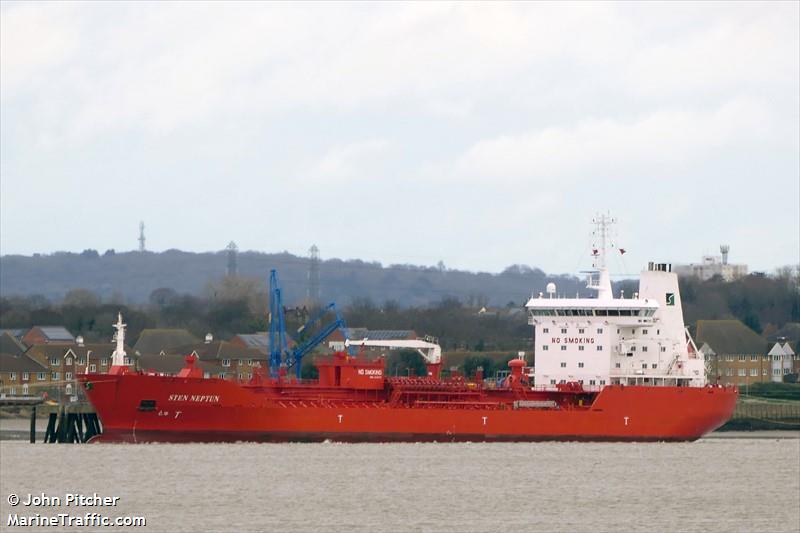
[(141, 236)]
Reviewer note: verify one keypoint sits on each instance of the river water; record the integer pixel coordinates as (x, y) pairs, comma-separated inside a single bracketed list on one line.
[(750, 483)]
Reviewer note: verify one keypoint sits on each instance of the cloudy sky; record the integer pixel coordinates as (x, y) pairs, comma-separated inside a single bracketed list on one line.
[(481, 135)]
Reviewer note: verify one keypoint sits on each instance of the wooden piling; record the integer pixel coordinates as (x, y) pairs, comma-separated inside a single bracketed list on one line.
[(50, 433), (33, 424)]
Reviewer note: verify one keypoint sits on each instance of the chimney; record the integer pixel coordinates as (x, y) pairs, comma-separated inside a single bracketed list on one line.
[(724, 249), (79, 340), (209, 338)]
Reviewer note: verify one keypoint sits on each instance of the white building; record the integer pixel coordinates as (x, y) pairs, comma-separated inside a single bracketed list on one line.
[(782, 361), (713, 265), (606, 340)]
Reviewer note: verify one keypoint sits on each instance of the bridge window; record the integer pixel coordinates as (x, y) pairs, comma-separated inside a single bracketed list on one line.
[(618, 365), (644, 348), (545, 330), (581, 347), (563, 348), (602, 382), (600, 330), (552, 382), (545, 347), (563, 330), (602, 312), (592, 382), (599, 347), (563, 365), (581, 330), (580, 365)]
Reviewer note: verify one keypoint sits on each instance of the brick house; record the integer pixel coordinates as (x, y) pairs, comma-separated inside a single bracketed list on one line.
[(20, 374), (734, 353), (63, 363)]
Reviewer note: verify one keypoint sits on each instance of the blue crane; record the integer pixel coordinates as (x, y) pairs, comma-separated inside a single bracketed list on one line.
[(278, 350), (277, 329)]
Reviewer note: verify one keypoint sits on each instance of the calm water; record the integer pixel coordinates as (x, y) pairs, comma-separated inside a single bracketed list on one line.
[(716, 484)]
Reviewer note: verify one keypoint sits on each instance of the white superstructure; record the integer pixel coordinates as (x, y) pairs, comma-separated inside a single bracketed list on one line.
[(606, 340)]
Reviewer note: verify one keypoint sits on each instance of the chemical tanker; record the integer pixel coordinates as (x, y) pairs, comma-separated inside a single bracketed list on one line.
[(606, 369)]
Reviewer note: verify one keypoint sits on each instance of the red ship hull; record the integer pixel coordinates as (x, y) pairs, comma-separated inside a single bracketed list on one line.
[(151, 408)]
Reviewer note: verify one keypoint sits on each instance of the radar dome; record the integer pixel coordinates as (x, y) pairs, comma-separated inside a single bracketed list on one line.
[(551, 288)]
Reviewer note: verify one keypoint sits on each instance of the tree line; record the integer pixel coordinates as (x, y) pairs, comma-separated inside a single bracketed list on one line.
[(239, 305)]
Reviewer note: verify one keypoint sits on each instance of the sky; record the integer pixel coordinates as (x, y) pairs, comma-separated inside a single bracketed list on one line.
[(477, 134)]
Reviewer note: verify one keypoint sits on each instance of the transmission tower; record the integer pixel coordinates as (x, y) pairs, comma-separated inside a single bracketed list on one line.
[(233, 268), (141, 236), (313, 275)]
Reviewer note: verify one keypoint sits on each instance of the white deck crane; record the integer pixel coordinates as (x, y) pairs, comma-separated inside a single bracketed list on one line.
[(430, 351)]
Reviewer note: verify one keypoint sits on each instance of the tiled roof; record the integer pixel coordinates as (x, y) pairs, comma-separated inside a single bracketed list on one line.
[(730, 337), (19, 363), (10, 345), (155, 340), (218, 350)]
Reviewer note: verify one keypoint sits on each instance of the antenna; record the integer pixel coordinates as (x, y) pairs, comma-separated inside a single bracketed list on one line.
[(599, 252), (601, 235), (233, 250), (313, 274), (724, 249), (141, 236)]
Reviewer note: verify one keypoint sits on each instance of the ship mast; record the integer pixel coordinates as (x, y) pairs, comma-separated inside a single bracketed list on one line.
[(603, 283), (118, 357)]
